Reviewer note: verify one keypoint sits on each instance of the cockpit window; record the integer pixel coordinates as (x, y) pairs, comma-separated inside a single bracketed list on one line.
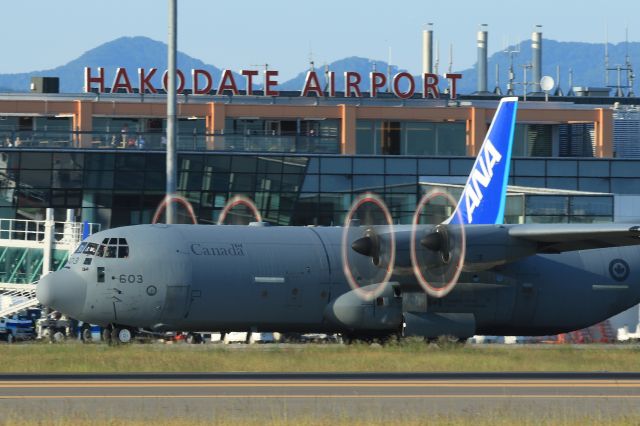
[(113, 248), (81, 247), (123, 251), (91, 249), (111, 251)]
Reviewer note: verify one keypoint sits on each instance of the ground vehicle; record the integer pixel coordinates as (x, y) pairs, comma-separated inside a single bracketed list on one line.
[(20, 326), (54, 327)]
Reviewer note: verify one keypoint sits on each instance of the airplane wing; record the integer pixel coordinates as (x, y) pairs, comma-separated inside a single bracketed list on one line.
[(557, 238)]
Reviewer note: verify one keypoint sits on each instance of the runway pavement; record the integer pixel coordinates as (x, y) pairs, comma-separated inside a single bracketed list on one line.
[(379, 395)]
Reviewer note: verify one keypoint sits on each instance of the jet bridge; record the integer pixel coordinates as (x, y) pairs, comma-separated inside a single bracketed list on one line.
[(30, 249)]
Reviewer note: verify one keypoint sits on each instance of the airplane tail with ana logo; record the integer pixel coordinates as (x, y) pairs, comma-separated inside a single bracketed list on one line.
[(484, 195)]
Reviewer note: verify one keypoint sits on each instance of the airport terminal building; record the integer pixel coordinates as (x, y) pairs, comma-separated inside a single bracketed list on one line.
[(302, 160)]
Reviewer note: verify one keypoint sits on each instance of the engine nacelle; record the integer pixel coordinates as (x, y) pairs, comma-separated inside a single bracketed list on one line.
[(352, 312)]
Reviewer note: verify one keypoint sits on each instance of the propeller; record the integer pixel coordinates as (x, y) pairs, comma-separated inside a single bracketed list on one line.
[(437, 252), (368, 247), (174, 199), (235, 201), (372, 252)]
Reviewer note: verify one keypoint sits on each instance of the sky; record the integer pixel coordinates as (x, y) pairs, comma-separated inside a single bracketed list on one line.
[(39, 34)]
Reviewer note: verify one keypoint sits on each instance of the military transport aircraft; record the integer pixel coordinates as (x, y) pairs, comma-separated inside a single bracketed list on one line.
[(469, 274)]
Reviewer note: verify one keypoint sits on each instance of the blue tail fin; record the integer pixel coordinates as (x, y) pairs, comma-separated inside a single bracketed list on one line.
[(484, 195)]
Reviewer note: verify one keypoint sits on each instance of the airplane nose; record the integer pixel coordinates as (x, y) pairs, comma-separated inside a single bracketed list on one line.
[(63, 291)]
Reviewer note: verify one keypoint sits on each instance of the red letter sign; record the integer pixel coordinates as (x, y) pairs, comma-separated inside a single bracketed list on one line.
[(165, 81), (430, 86), (453, 78), (396, 85), (144, 81), (121, 74), (377, 81), (224, 85), (195, 74), (311, 84), (269, 83), (249, 74), (352, 81), (331, 79), (88, 80)]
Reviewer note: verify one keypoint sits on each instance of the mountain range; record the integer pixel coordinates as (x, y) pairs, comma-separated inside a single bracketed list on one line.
[(586, 60)]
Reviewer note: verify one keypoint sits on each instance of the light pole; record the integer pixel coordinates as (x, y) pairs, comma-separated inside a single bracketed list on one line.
[(171, 112)]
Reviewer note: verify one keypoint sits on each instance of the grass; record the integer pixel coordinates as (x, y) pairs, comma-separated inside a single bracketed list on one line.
[(406, 357)]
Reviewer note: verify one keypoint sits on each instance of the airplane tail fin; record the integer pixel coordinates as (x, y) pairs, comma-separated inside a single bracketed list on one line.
[(484, 195)]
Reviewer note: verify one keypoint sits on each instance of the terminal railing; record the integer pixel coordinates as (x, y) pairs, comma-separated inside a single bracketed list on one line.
[(192, 141), (34, 230)]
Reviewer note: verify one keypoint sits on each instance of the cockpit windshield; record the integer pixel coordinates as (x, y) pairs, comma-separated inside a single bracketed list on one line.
[(114, 248), (110, 247)]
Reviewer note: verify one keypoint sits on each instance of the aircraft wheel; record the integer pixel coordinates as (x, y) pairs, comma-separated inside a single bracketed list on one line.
[(58, 337), (10, 338), (348, 339), (194, 338), (85, 334), (121, 335), (106, 335)]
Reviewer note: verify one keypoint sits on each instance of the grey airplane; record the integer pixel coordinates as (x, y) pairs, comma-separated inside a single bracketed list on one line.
[(469, 274)]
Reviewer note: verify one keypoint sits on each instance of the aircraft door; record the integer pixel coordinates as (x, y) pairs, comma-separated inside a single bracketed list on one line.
[(177, 303), (105, 294)]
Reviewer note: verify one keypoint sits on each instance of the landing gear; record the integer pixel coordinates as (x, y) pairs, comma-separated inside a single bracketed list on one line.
[(368, 339), (106, 335), (194, 338), (117, 335), (121, 335), (85, 333), (57, 336)]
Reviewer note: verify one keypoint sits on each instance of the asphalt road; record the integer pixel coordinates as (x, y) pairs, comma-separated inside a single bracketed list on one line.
[(377, 396)]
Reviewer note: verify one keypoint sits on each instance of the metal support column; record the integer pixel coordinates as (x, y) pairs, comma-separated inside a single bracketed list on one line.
[(171, 112), (47, 250)]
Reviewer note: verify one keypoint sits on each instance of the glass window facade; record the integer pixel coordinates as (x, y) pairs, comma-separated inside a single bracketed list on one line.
[(410, 138), (122, 187)]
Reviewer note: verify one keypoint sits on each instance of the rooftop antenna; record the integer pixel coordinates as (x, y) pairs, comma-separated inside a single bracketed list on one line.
[(630, 75), (627, 68), (450, 58), (436, 63), (311, 63), (389, 71), (326, 77), (558, 91), (511, 52), (570, 92), (497, 90), (606, 55)]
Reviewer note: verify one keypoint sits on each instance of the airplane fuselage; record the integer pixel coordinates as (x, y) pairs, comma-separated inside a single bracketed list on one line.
[(291, 279)]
